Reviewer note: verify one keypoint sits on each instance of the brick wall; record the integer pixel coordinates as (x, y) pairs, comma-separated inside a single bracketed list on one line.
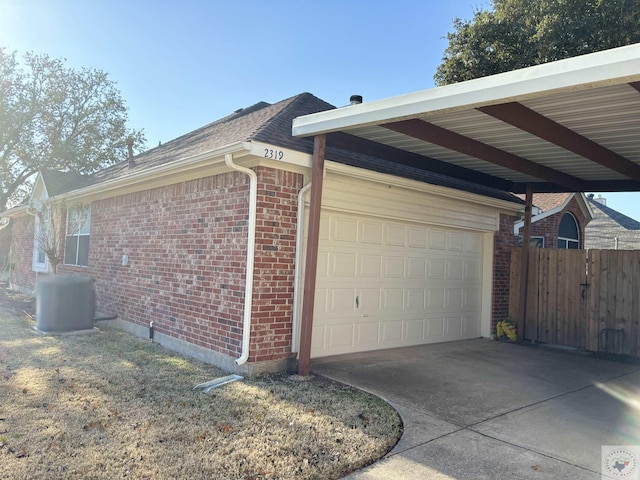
[(22, 274), (274, 264), (186, 246), (504, 241)]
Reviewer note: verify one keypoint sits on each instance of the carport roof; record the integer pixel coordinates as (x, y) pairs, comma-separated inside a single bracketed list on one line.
[(566, 126)]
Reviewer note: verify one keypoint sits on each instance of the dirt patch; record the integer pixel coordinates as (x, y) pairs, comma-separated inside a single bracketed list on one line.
[(110, 405), (15, 302)]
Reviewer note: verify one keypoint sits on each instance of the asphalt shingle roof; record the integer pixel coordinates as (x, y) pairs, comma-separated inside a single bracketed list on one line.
[(607, 226), (62, 182), (547, 201), (268, 123)]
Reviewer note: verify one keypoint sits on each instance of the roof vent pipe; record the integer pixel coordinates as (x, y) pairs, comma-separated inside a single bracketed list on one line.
[(129, 143), (355, 99)]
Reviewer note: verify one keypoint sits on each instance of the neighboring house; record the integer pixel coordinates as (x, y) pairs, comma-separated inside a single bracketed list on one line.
[(558, 220), (609, 229), (5, 246), (406, 256)]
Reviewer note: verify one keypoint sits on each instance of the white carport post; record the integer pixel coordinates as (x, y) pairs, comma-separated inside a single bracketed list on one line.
[(311, 263)]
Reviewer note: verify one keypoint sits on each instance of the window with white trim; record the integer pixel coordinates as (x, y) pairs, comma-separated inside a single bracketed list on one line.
[(42, 221), (76, 249), (534, 242), (568, 232)]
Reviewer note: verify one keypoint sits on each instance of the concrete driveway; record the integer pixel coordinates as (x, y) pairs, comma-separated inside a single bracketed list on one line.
[(482, 409)]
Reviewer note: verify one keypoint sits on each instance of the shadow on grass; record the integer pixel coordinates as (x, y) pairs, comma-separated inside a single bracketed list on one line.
[(110, 405)]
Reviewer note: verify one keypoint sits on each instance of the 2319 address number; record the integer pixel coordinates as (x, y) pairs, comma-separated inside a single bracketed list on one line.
[(273, 154)]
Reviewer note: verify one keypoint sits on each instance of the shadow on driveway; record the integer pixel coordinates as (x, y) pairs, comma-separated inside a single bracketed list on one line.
[(480, 409)]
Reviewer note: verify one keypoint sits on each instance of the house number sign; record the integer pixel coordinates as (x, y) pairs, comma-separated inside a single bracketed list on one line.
[(273, 154)]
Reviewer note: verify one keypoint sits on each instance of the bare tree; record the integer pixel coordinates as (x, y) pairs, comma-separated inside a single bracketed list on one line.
[(54, 223)]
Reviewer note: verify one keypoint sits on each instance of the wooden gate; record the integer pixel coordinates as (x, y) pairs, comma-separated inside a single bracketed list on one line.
[(583, 299)]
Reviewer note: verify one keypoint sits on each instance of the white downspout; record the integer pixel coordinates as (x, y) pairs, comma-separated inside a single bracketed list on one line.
[(251, 248), (297, 287)]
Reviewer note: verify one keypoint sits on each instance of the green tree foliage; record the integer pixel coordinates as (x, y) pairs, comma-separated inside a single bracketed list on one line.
[(59, 118), (520, 33)]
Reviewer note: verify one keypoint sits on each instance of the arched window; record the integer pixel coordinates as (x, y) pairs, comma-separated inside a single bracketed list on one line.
[(568, 232)]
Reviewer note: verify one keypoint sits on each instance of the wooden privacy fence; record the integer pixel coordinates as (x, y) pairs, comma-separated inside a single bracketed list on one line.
[(588, 299)]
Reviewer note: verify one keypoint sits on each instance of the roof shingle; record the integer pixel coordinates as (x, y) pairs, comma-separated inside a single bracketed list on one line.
[(268, 123)]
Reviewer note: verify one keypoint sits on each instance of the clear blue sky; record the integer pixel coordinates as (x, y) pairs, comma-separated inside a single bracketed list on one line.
[(182, 64)]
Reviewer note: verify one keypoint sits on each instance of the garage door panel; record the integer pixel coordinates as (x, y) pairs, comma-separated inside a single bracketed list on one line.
[(472, 244), (393, 267), (437, 240), (452, 328), (393, 299), (321, 306), (454, 269), (471, 326), (344, 229), (471, 299), (417, 237), (340, 336), (415, 330), (324, 232), (388, 284), (342, 300), (417, 268), (370, 266), (455, 242), (453, 299), (391, 332), (318, 339), (368, 334), (472, 270), (323, 264), (371, 233), (343, 264), (415, 299), (368, 300), (394, 235), (435, 299), (437, 268), (434, 329)]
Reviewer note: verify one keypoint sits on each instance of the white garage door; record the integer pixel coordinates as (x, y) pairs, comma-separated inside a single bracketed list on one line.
[(384, 284)]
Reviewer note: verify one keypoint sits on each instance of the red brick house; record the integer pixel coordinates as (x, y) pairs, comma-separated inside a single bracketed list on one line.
[(203, 236), (558, 220)]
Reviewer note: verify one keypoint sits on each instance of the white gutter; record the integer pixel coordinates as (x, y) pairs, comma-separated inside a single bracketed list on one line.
[(15, 212), (147, 174), (297, 276), (251, 248)]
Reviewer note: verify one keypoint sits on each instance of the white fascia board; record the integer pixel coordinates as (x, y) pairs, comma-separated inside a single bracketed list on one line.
[(520, 223), (15, 212), (609, 67), (584, 206), (167, 170), (280, 155), (407, 183)]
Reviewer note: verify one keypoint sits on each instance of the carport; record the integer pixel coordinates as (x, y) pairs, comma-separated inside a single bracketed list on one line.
[(567, 126)]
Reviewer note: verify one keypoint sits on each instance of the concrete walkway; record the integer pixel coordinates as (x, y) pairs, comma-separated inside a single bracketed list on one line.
[(482, 409)]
